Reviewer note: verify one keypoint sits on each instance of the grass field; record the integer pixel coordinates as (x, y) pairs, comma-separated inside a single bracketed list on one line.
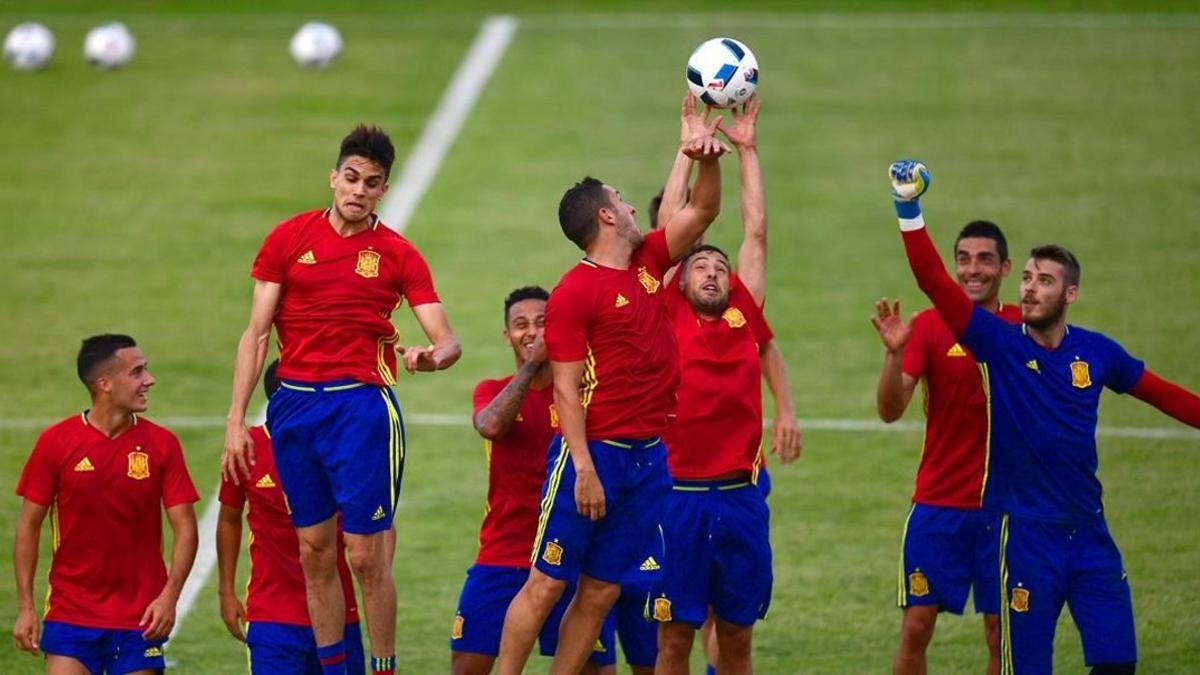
[(135, 202)]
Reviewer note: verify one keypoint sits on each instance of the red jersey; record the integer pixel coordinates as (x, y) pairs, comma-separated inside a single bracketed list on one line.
[(718, 425), (616, 322), (334, 316), (106, 497), (275, 590), (516, 471), (954, 456)]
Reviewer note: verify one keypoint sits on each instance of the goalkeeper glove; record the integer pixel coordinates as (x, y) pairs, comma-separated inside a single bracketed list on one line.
[(910, 179)]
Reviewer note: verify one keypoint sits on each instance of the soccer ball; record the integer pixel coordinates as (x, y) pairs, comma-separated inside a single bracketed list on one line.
[(109, 45), (29, 46), (315, 45), (722, 72)]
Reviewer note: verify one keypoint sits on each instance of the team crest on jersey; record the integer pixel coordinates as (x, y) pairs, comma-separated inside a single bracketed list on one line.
[(553, 416), (648, 281), (1020, 600), (1081, 378), (734, 317), (456, 631), (956, 350), (662, 609), (552, 554), (918, 584), (368, 264), (139, 465)]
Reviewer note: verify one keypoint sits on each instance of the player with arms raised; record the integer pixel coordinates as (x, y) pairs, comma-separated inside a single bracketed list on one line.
[(615, 370), (947, 548), (329, 280), (106, 475), (1043, 379)]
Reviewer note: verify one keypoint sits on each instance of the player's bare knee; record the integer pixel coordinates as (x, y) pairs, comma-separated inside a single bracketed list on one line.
[(675, 639), (368, 565), (317, 561), (543, 590), (734, 640), (595, 595), (917, 628)]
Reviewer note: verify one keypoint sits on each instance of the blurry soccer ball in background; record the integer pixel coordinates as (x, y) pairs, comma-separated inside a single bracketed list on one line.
[(315, 45), (29, 46), (722, 72), (109, 45)]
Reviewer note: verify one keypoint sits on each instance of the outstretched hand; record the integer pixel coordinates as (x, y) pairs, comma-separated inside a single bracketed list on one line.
[(706, 145), (892, 328), (742, 133)]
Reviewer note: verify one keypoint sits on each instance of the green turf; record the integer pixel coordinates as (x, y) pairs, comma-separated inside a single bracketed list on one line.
[(136, 201)]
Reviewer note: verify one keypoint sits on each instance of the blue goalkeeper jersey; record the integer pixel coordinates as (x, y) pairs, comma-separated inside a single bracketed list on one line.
[(1042, 411)]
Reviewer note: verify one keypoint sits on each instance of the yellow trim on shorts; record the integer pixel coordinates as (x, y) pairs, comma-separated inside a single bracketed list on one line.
[(1006, 658), (560, 463), (901, 587)]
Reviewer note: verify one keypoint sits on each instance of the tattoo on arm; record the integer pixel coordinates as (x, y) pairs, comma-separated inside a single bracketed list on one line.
[(496, 417)]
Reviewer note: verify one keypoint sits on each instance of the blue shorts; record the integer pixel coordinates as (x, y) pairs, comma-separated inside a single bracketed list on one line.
[(636, 628), (626, 545), (103, 650), (484, 601), (286, 649), (763, 480), (1044, 565), (339, 446), (718, 551), (945, 553)]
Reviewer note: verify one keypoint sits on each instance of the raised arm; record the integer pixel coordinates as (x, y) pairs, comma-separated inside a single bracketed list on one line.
[(229, 543), (495, 419), (686, 226), (752, 256), (895, 387), (247, 367), (159, 617), (1168, 397), (572, 422), (443, 349), (25, 558), (675, 191), (910, 179)]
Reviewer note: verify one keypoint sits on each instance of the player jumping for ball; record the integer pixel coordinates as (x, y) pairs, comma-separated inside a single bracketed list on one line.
[(329, 280)]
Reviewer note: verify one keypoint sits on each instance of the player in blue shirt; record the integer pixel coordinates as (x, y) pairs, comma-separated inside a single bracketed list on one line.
[(1043, 379)]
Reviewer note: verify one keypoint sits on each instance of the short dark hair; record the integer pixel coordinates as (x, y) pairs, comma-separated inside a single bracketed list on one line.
[(369, 142), (984, 229), (577, 211), (1060, 255), (656, 204), (270, 379), (95, 351), (683, 264), (523, 293)]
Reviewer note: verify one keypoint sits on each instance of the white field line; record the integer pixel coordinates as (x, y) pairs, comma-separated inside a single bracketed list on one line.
[(422, 165), (792, 21), (447, 120), (814, 424)]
